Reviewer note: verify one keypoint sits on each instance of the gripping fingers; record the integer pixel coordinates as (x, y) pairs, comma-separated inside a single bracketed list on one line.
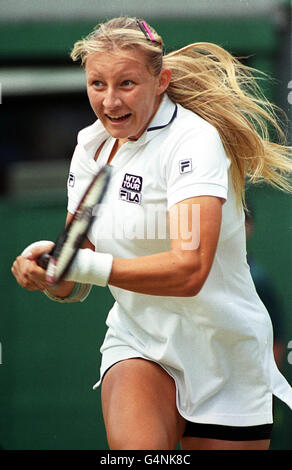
[(28, 274)]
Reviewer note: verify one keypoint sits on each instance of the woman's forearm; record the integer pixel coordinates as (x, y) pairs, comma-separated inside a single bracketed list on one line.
[(168, 273)]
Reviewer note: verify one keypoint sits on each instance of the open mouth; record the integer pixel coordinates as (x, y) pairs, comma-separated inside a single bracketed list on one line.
[(122, 118)]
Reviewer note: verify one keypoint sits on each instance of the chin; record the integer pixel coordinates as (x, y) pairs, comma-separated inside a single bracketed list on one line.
[(118, 135)]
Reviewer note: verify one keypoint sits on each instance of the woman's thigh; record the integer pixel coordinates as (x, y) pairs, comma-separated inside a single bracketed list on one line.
[(139, 406)]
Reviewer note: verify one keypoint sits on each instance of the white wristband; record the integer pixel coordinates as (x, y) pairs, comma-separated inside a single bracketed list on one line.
[(90, 267)]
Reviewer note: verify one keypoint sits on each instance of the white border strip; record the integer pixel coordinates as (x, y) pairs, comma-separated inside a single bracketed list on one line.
[(42, 10)]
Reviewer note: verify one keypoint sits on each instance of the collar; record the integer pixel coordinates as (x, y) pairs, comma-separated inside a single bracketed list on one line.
[(164, 116)]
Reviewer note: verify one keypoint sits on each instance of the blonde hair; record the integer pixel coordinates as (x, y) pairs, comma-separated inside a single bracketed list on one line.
[(209, 81), (121, 34)]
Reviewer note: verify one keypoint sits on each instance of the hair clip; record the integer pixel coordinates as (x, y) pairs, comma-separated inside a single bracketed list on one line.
[(146, 31)]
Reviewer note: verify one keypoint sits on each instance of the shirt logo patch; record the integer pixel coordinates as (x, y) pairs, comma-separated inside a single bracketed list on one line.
[(131, 188), (185, 166), (71, 180)]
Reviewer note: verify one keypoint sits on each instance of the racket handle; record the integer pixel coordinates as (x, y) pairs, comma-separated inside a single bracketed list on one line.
[(43, 260)]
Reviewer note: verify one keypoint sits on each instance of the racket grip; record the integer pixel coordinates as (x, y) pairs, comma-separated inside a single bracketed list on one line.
[(43, 260)]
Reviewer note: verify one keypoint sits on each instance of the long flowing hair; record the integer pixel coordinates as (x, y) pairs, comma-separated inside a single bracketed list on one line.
[(209, 81)]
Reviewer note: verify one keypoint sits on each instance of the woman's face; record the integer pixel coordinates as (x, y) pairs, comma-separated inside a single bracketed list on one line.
[(123, 93)]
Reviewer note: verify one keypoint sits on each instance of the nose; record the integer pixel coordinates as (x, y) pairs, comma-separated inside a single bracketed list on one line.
[(111, 99)]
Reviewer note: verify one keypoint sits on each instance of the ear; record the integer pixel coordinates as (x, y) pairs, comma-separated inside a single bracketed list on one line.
[(163, 81)]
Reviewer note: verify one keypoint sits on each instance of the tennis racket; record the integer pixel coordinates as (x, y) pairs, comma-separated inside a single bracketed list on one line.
[(58, 261)]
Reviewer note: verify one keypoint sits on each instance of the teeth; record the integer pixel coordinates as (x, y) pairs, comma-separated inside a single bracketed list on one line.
[(118, 117)]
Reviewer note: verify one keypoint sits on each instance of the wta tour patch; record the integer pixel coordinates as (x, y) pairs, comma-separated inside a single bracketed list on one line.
[(185, 166), (131, 188)]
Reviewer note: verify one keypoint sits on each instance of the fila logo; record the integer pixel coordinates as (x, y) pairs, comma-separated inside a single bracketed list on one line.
[(71, 180), (131, 188), (130, 196), (185, 166)]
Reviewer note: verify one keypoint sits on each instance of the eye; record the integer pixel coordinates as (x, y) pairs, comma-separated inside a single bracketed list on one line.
[(128, 83), (97, 83)]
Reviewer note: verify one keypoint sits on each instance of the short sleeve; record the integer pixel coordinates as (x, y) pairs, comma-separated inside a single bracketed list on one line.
[(197, 166)]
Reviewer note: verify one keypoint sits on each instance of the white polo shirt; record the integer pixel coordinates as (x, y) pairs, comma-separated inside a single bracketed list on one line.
[(217, 345)]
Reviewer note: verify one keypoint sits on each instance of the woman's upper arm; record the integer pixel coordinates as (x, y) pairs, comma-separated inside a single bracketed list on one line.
[(86, 243), (194, 230)]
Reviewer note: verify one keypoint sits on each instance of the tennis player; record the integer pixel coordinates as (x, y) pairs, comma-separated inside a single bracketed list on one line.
[(188, 354)]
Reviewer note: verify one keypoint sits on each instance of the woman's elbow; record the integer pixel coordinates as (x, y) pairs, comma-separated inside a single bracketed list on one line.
[(190, 289), (192, 283), (190, 274)]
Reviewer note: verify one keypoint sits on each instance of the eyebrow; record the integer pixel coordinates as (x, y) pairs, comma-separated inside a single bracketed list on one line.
[(121, 73)]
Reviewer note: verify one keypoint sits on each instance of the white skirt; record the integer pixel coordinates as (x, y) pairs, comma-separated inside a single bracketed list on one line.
[(233, 404)]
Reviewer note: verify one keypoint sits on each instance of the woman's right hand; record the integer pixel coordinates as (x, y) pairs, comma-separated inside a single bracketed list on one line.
[(25, 269)]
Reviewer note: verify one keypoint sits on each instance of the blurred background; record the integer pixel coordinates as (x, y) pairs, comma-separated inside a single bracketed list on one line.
[(49, 353)]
